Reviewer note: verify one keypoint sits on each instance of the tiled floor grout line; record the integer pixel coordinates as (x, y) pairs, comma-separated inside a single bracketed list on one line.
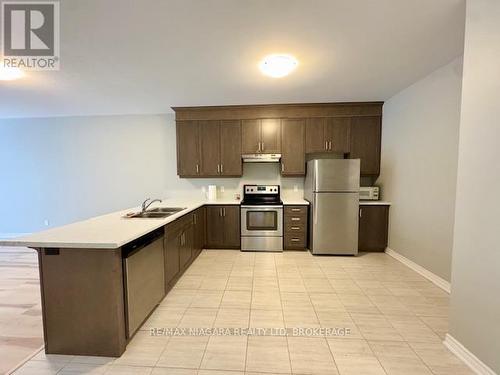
[(319, 321), (284, 322)]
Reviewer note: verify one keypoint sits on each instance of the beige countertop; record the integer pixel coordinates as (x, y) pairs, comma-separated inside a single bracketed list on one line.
[(374, 203), (113, 230), (108, 231)]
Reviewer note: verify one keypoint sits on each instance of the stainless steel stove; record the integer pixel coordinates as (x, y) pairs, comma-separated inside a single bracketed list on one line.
[(261, 218)]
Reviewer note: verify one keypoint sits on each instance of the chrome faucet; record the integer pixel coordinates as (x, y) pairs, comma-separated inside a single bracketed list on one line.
[(145, 204)]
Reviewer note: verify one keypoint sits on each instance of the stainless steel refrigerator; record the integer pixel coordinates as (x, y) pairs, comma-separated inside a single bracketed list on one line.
[(332, 189)]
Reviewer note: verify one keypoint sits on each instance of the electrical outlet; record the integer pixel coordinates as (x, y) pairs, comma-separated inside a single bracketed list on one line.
[(222, 189), (46, 222)]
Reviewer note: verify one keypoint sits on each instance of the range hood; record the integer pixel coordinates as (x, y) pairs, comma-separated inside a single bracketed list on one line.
[(261, 158)]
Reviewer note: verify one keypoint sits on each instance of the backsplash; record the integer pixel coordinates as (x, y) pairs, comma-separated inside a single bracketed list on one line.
[(227, 188)]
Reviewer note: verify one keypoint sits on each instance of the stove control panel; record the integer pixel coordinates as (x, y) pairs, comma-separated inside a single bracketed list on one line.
[(261, 189)]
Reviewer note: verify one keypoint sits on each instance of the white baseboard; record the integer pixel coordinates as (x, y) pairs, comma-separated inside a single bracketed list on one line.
[(476, 365), (442, 283)]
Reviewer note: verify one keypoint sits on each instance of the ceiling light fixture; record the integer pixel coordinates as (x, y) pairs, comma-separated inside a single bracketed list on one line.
[(278, 65), (10, 74)]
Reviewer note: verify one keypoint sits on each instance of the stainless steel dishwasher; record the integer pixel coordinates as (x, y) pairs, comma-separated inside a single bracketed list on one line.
[(143, 263)]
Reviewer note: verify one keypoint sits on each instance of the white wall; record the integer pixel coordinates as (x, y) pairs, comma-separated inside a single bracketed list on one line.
[(418, 167), (475, 296), (70, 168)]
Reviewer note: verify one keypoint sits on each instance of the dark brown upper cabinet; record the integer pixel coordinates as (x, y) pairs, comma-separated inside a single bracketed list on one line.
[(328, 135), (209, 148), (293, 147), (210, 140), (230, 148), (315, 135), (337, 134), (261, 136), (365, 143), (188, 149)]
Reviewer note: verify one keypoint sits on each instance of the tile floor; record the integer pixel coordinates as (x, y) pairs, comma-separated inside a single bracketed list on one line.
[(390, 320), (21, 330)]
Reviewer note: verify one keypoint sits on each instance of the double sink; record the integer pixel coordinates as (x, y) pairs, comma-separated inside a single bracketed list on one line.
[(157, 213)]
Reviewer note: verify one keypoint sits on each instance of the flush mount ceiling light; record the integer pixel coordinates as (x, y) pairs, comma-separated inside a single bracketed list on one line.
[(10, 74), (278, 65)]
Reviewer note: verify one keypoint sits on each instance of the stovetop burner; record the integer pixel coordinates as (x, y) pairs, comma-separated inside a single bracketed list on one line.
[(263, 195)]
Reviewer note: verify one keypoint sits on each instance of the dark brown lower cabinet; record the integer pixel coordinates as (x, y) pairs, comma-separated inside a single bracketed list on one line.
[(199, 229), (295, 227), (223, 227), (172, 249), (373, 227)]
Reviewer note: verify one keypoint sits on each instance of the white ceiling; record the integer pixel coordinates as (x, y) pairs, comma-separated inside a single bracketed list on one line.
[(134, 57)]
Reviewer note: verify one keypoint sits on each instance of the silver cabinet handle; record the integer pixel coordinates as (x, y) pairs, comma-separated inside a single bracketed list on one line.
[(218, 168), (330, 145), (197, 168), (295, 218), (295, 228), (282, 167), (258, 147), (224, 211), (360, 212), (220, 212), (295, 240), (262, 146), (326, 145), (195, 219), (222, 168), (295, 209)]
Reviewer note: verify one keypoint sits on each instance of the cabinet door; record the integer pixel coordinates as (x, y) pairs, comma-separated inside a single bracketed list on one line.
[(337, 132), (315, 135), (250, 136), (188, 148), (271, 136), (230, 148), (232, 228), (293, 151), (373, 227), (215, 227), (186, 250), (199, 231), (365, 143), (172, 249), (210, 148)]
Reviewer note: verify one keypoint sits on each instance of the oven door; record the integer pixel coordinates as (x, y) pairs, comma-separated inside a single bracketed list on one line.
[(262, 221)]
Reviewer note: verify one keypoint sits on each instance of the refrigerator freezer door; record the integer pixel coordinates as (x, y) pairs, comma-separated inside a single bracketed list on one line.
[(331, 175), (335, 221)]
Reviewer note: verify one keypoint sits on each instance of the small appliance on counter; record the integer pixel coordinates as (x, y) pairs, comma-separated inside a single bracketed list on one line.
[(212, 193), (261, 218), (369, 193)]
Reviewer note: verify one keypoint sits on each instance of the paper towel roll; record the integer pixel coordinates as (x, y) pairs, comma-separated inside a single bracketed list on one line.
[(212, 192)]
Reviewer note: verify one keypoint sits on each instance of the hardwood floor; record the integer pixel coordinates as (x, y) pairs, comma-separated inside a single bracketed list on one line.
[(21, 332)]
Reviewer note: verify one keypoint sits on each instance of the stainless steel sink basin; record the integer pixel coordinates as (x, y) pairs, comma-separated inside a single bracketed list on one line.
[(157, 213), (170, 210), (150, 215)]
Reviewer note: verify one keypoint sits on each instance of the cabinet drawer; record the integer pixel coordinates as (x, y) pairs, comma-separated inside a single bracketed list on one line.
[(294, 241), (295, 219), (299, 227), (295, 210)]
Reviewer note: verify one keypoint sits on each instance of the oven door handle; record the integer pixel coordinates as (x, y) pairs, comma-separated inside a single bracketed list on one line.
[(262, 208)]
